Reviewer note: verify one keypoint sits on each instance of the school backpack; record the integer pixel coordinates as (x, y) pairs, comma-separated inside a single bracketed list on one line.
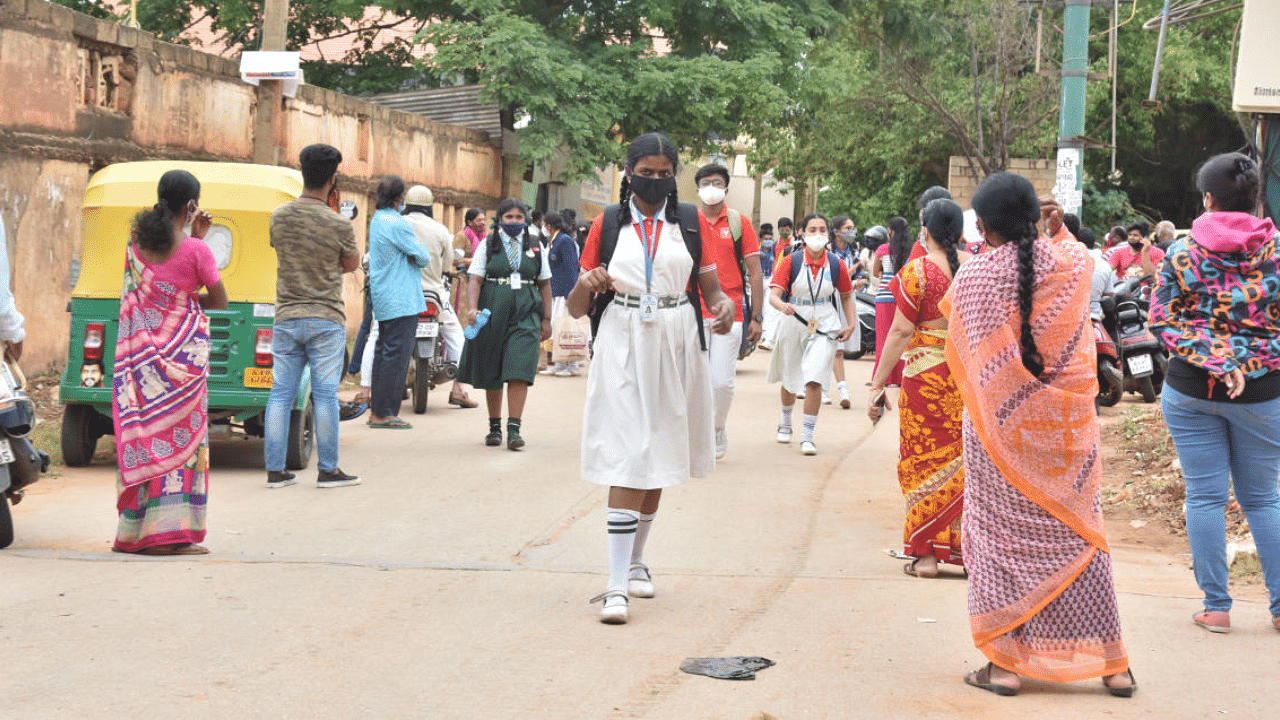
[(797, 263), (689, 228)]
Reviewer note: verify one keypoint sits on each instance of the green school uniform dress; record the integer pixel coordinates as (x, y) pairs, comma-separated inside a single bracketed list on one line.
[(507, 346)]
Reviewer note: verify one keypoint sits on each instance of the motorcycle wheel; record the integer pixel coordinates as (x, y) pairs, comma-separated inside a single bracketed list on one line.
[(79, 441), (421, 384), (1109, 397), (1146, 389), (6, 522), (301, 437)]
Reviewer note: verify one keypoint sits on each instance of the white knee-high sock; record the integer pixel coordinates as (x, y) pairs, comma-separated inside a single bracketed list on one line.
[(622, 537), (642, 535), (810, 424), (785, 420)]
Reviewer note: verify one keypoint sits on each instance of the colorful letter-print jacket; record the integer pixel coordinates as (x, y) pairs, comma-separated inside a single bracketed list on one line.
[(1217, 300)]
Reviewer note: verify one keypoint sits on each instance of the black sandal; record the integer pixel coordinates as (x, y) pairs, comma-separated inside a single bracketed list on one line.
[(981, 678), (1126, 691)]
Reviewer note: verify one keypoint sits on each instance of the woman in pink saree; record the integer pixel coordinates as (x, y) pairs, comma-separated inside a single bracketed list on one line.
[(1042, 601), (160, 408)]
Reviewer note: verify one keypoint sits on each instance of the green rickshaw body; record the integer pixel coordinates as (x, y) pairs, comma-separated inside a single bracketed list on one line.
[(240, 197)]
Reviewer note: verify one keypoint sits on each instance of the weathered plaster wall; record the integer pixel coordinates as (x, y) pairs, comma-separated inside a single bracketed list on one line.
[(77, 94)]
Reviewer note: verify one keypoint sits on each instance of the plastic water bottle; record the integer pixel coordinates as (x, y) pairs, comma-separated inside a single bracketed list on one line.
[(473, 329)]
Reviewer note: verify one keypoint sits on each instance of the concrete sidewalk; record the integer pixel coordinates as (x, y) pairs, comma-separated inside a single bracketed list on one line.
[(453, 584)]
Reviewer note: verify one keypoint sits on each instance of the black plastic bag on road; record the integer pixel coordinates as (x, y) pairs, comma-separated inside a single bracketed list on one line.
[(729, 668)]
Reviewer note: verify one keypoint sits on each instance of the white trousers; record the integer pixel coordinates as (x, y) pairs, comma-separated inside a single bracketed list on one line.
[(722, 354), (450, 333)]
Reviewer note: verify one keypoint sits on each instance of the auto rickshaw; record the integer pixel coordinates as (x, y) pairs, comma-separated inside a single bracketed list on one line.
[(240, 198)]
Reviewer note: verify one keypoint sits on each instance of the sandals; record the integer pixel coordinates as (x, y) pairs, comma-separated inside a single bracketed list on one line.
[(175, 549), (910, 569), (615, 614), (392, 424), (981, 678), (1126, 690)]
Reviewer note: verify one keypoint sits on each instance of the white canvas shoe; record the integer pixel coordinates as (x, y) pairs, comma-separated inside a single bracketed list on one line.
[(784, 433), (640, 584), (808, 448)]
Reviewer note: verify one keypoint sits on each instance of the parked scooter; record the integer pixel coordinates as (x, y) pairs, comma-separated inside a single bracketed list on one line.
[(1110, 377), (20, 462), (865, 305), (1143, 358)]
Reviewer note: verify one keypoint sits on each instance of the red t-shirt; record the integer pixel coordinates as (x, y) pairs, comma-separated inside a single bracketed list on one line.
[(591, 248), (719, 237), (1122, 256), (782, 275)]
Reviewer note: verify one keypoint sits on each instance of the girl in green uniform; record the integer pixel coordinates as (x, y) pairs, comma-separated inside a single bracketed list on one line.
[(511, 278)]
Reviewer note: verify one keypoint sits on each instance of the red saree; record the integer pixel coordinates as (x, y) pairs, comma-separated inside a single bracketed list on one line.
[(930, 465)]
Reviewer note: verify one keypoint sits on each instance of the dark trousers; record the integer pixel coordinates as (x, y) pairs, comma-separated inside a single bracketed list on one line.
[(391, 363), (362, 337)]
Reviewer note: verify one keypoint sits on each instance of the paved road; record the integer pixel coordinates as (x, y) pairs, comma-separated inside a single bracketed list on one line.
[(453, 584)]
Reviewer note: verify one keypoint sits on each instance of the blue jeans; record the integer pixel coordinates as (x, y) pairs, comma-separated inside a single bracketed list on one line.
[(1249, 433), (294, 345)]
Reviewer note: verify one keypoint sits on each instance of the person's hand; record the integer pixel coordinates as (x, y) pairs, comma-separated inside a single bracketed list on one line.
[(1235, 383), (471, 317), (877, 409), (14, 350), (595, 280), (200, 224), (1050, 214), (788, 309), (724, 317), (754, 331), (844, 333), (546, 329)]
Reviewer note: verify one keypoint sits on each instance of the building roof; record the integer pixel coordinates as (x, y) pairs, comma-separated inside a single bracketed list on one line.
[(459, 105)]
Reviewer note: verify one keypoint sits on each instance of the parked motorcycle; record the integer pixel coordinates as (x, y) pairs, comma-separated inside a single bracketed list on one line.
[(1110, 376), (20, 462), (1142, 355), (865, 305), (429, 367)]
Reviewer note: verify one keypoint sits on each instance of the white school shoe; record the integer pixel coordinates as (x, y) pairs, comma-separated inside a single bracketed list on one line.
[(845, 401), (808, 448), (614, 611), (642, 586), (784, 433), (826, 399), (722, 444)]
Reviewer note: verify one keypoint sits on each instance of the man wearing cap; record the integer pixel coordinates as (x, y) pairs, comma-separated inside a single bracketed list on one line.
[(438, 241)]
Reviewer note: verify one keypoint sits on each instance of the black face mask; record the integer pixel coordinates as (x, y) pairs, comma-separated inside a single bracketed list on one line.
[(652, 190)]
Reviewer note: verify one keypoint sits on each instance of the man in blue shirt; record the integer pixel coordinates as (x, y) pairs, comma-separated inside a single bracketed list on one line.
[(396, 259), (563, 259)]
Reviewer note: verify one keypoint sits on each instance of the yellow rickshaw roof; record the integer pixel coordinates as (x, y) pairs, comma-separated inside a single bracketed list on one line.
[(238, 187)]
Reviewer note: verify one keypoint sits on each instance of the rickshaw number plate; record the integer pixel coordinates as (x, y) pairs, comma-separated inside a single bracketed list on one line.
[(264, 310), (6, 452), (257, 377), (428, 329), (1140, 365)]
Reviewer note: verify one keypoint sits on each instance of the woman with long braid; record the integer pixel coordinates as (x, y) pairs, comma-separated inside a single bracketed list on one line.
[(1042, 602), (930, 465), (648, 422)]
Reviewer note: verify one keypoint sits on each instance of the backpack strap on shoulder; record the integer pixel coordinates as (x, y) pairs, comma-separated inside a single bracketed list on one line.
[(609, 230), (691, 230)]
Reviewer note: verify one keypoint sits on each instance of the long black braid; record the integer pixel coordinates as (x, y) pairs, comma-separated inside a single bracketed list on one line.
[(945, 221), (1008, 207)]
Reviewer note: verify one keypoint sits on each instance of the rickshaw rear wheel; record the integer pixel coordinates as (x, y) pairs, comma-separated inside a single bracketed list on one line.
[(79, 436), (301, 437)]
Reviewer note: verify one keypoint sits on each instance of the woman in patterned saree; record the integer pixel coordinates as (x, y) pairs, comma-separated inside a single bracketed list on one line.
[(161, 363), (1042, 602), (930, 465)]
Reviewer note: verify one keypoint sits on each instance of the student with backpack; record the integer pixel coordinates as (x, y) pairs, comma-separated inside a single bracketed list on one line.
[(648, 418), (737, 255), (805, 287)]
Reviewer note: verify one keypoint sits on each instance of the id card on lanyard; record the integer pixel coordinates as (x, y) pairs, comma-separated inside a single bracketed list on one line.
[(813, 292), (648, 299)]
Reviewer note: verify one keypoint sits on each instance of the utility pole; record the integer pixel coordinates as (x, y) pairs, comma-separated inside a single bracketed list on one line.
[(266, 151), (1069, 189)]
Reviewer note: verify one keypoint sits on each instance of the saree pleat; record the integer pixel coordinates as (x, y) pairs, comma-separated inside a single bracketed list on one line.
[(1041, 597)]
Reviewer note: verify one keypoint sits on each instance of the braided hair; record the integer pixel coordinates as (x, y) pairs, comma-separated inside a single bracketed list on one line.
[(154, 227), (654, 143), (945, 221), (1009, 208)]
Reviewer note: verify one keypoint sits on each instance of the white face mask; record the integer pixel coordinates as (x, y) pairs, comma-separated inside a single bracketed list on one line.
[(815, 242), (711, 195)]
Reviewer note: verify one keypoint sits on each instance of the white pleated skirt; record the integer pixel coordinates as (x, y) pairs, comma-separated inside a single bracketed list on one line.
[(648, 421)]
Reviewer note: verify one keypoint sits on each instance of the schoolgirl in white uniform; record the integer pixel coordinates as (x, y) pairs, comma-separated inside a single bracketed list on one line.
[(648, 421), (812, 329)]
